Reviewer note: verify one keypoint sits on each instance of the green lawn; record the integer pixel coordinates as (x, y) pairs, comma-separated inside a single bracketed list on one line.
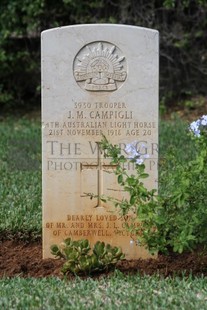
[(20, 212), (117, 292), (20, 170)]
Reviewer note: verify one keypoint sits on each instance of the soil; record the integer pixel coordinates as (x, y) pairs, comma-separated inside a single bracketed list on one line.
[(23, 259)]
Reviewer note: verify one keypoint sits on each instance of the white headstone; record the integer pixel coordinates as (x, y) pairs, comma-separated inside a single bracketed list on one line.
[(95, 79)]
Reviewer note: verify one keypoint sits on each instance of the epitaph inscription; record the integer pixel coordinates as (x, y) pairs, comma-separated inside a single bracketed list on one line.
[(99, 66), (96, 79)]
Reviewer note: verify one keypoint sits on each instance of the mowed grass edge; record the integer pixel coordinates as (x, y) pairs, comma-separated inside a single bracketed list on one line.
[(116, 292)]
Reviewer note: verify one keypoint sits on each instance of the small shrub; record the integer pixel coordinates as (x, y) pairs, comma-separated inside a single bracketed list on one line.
[(80, 261)]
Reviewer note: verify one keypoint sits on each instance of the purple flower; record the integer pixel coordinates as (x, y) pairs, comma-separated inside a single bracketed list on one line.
[(204, 120), (197, 127), (194, 127), (131, 150)]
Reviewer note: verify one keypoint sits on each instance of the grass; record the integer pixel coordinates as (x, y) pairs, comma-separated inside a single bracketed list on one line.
[(174, 138), (175, 147), (20, 213), (20, 170), (116, 292)]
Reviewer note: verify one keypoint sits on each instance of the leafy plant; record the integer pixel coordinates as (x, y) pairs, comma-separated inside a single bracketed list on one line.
[(80, 261), (177, 219)]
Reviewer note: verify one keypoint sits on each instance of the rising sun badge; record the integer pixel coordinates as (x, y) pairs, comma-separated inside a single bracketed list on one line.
[(100, 66)]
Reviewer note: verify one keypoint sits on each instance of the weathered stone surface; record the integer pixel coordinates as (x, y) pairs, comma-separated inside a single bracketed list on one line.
[(95, 79)]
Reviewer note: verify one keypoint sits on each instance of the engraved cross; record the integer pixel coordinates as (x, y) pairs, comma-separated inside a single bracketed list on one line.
[(100, 167)]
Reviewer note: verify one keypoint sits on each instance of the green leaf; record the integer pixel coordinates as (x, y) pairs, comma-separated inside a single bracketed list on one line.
[(131, 180), (120, 178), (144, 175), (132, 200)]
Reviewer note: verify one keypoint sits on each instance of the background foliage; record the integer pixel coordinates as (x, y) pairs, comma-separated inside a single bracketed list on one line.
[(183, 46)]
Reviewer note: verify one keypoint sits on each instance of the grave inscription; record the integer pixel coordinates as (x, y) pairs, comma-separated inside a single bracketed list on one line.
[(96, 79)]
